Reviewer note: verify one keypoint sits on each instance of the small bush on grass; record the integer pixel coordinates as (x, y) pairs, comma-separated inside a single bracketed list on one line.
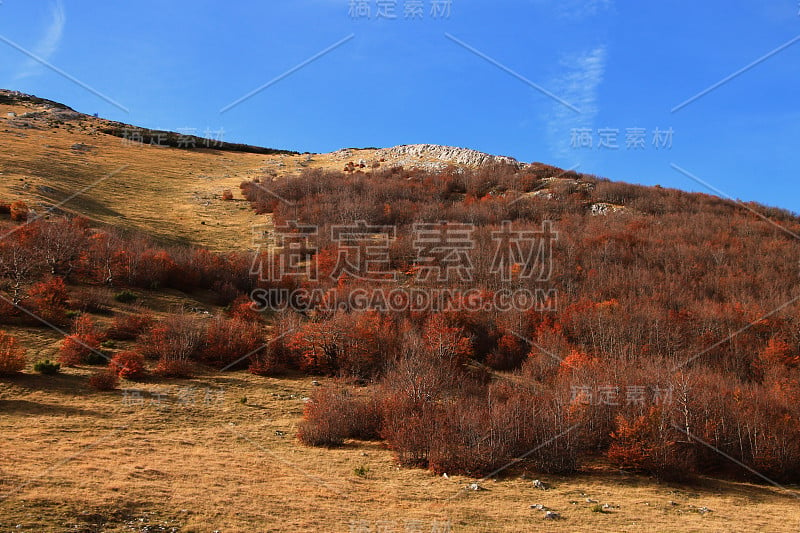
[(126, 297), (178, 337), (173, 368), (83, 345), (128, 365), (104, 380), (47, 367)]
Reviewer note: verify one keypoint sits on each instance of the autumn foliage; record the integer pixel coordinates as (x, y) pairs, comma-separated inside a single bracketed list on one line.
[(49, 300), (335, 414), (19, 211), (174, 343), (780, 353), (229, 342), (83, 345), (174, 368), (678, 292), (128, 365), (12, 355), (647, 301), (648, 443), (129, 326), (104, 380)]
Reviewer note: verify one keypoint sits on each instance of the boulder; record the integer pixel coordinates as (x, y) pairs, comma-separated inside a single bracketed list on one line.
[(539, 485)]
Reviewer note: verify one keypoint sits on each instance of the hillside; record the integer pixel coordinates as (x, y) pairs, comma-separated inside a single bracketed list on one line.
[(114, 175), (635, 350)]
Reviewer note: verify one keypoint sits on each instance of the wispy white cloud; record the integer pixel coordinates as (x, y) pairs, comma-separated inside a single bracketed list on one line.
[(48, 44), (579, 76), (578, 83)]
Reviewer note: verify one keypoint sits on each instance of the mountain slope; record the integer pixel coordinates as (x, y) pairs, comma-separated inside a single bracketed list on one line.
[(128, 177)]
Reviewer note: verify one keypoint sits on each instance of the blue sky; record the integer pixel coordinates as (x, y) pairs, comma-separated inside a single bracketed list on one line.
[(530, 79)]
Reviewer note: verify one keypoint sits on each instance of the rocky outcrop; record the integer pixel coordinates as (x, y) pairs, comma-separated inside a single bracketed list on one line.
[(604, 208)]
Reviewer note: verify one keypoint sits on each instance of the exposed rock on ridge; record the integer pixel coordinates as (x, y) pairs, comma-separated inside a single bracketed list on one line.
[(432, 156)]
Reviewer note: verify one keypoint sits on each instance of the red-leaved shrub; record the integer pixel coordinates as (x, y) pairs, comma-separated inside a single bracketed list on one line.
[(128, 365), (83, 345), (649, 443), (334, 414), (276, 358), (510, 353), (126, 327), (178, 337), (347, 344), (12, 355), (48, 299), (104, 380), (173, 368), (778, 352), (174, 342), (230, 341), (242, 309), (19, 211)]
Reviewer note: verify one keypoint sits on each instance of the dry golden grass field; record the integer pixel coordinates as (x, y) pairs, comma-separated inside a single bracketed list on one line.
[(218, 452), (173, 194)]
